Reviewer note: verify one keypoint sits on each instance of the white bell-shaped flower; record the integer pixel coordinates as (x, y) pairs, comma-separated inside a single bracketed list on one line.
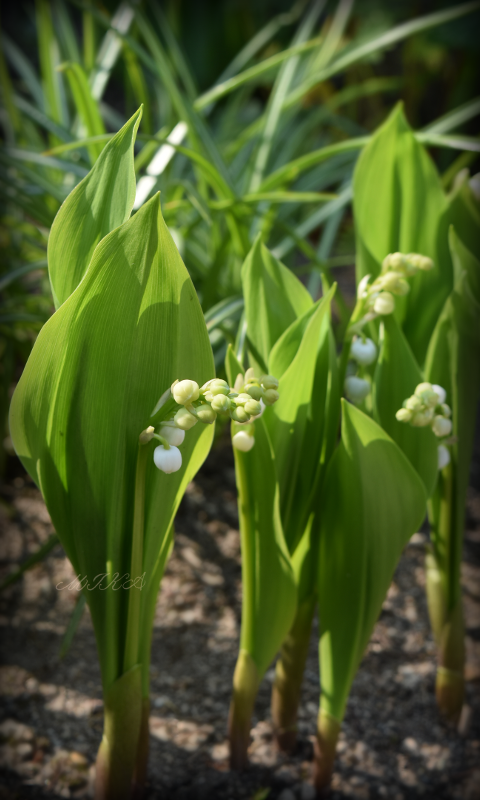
[(173, 435), (356, 389), (442, 426), (443, 456), (243, 441), (364, 352), (167, 460), (384, 304), (440, 392)]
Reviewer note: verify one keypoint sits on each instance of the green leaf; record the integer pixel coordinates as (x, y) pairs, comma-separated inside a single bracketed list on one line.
[(269, 593), (100, 203), (96, 371), (396, 376), (274, 298), (297, 422), (453, 361), (86, 106), (398, 204), (372, 502)]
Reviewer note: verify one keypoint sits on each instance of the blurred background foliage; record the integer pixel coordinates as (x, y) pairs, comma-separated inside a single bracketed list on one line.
[(264, 138)]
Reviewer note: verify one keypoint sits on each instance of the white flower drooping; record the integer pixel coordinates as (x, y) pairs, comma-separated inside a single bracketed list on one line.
[(173, 435), (243, 441), (167, 460), (356, 389), (363, 351)]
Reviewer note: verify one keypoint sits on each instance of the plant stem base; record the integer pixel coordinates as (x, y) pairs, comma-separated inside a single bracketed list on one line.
[(450, 692), (288, 678), (245, 687), (118, 749), (140, 774), (328, 729)]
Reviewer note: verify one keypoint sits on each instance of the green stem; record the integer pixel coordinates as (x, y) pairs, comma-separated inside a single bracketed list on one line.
[(328, 729), (118, 749), (444, 597), (288, 677), (245, 688), (248, 555), (136, 563)]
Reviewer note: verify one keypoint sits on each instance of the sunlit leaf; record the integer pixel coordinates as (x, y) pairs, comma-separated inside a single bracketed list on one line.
[(98, 205), (366, 522)]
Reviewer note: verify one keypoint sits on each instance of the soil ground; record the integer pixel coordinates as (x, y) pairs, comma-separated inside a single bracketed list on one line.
[(393, 743)]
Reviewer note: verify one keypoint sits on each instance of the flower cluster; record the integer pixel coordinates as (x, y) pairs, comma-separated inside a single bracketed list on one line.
[(363, 352), (378, 298), (192, 404), (427, 407)]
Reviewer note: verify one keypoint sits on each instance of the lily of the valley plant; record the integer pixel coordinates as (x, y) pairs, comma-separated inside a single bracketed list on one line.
[(88, 425)]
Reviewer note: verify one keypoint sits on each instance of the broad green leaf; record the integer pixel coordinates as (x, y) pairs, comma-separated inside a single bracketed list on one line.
[(274, 298), (96, 371), (396, 376), (297, 422), (269, 593), (453, 360), (98, 205), (398, 203), (86, 106), (372, 502)]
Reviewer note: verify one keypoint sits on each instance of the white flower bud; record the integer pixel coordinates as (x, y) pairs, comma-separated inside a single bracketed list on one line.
[(205, 413), (262, 409), (185, 392), (413, 403), (221, 404), (404, 415), (167, 460), (243, 441), (356, 389), (241, 399), (394, 282), (442, 426), (254, 390), (364, 352), (249, 375), (270, 397), (184, 420), (440, 392), (422, 418), (253, 407), (427, 395), (384, 304), (396, 260), (269, 382), (446, 410), (423, 387), (425, 263), (443, 456), (218, 386), (239, 414), (363, 286), (173, 436)]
